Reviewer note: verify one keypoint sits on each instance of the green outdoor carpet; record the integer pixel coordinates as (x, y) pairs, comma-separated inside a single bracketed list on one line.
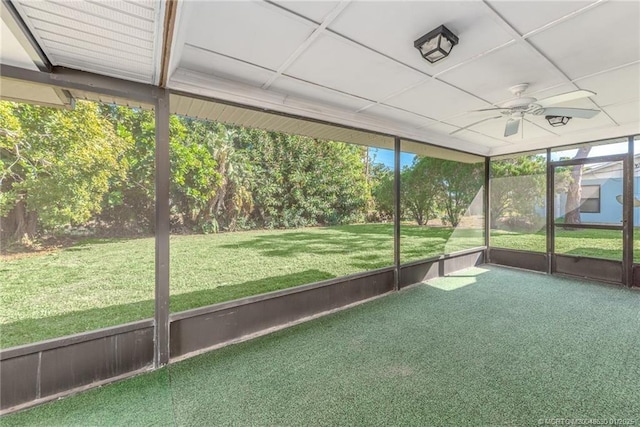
[(486, 346)]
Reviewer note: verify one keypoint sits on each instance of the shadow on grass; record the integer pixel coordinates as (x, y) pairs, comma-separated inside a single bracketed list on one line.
[(33, 330), (342, 240), (589, 234), (595, 252), (349, 239)]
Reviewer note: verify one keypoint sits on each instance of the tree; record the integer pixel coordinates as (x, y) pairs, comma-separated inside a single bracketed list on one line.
[(56, 166), (574, 189), (382, 179), (300, 181), (517, 187), (460, 182), (421, 185), (130, 202)]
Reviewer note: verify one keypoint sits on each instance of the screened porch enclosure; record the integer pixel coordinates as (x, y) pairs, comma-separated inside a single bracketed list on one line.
[(182, 178)]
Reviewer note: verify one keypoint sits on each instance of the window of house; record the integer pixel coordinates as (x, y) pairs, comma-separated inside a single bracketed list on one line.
[(590, 201)]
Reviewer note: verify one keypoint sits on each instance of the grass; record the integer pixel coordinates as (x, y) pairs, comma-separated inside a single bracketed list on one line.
[(106, 282), (486, 346), (593, 243)]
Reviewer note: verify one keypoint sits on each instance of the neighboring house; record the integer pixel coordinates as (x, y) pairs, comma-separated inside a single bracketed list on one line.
[(601, 189)]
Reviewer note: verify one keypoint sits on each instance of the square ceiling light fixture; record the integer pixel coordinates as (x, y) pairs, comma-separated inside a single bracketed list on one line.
[(436, 44), (556, 121)]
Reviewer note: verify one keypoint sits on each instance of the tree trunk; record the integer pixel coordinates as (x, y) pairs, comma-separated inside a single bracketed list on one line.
[(419, 219), (574, 191), (20, 224)]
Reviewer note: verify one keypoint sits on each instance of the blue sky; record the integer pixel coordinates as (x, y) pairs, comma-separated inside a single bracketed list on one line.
[(380, 155)]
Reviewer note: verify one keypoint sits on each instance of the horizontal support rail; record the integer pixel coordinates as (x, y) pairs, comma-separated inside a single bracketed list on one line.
[(592, 226), (587, 160), (68, 78), (274, 294), (68, 340), (444, 256)]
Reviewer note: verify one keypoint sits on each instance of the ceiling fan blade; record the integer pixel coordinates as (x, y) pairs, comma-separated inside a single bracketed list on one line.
[(473, 124), (564, 97), (488, 109), (511, 127), (580, 113)]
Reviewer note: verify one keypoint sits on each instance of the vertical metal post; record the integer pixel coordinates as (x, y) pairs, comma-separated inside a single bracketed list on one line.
[(161, 331), (550, 212), (396, 216), (627, 216), (487, 208)]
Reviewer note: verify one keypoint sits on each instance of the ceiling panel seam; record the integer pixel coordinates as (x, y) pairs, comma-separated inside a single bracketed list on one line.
[(490, 137), (566, 17), (396, 93), (274, 71), (409, 112), (429, 76), (465, 130), (628, 101), (435, 77), (329, 88), (262, 67), (309, 40), (608, 70), (541, 127), (528, 45)]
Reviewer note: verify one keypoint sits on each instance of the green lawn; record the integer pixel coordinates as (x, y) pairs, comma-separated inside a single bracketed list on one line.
[(594, 243), (106, 282)]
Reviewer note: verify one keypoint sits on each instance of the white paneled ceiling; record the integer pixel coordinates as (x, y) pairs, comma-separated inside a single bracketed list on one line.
[(390, 27), (435, 99), (250, 31), (371, 76), (353, 62), (490, 76), (609, 36), (528, 16), (118, 38), (355, 59)]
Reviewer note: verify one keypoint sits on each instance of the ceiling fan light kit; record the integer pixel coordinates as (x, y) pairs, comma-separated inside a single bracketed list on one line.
[(436, 44), (515, 109), (557, 121)]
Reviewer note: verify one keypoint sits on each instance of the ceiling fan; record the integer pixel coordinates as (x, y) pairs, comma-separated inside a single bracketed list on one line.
[(516, 108)]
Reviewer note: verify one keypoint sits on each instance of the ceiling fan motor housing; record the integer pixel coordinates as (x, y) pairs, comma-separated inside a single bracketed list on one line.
[(519, 104)]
